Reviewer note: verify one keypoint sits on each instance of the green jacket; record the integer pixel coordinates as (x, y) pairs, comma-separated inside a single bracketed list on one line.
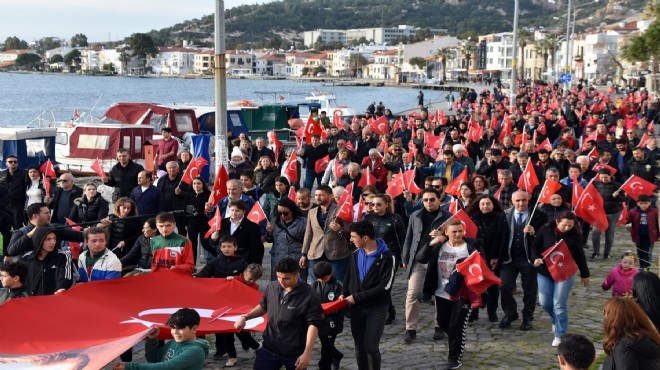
[(179, 356)]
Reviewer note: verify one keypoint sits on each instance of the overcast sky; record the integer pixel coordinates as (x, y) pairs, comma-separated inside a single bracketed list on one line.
[(100, 20)]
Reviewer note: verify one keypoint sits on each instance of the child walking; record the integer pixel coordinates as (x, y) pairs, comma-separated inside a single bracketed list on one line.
[(328, 289), (643, 228), (620, 279)]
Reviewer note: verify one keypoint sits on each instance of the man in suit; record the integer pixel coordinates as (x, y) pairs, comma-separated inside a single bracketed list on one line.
[(246, 232), (326, 236), (515, 258)]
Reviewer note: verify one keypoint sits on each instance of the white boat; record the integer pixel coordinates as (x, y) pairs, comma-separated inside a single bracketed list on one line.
[(328, 103)]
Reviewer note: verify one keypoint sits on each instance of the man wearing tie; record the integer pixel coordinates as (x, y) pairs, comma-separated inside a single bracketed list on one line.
[(515, 257)]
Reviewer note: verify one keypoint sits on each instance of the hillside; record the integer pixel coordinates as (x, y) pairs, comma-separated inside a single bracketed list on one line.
[(278, 24)]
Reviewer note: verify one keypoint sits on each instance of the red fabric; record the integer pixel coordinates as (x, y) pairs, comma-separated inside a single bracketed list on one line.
[(219, 190), (346, 210), (468, 224), (545, 144), (636, 186), (167, 146), (453, 206), (455, 184), (193, 170), (396, 186), (46, 182), (593, 154), (433, 141), (360, 209), (276, 145), (74, 247), (334, 306), (98, 168), (562, 122), (412, 151), (642, 141), (379, 172), (591, 136), (336, 119), (322, 164), (349, 146), (292, 194), (47, 169), (291, 169), (379, 126), (542, 130), (577, 192), (599, 166), (528, 180), (590, 208), (256, 214), (475, 133), (409, 182), (477, 275), (397, 125), (623, 217), (507, 128), (494, 124), (366, 179), (312, 128), (215, 223), (339, 169), (559, 261), (549, 188)]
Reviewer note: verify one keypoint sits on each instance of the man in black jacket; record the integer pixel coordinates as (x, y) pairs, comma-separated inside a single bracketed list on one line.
[(174, 193), (62, 202), (15, 179), (123, 175), (246, 233), (294, 316)]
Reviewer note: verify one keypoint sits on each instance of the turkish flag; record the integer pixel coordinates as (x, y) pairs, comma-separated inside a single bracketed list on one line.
[(48, 169), (562, 122), (215, 223), (219, 190), (577, 192), (349, 146), (528, 180), (412, 151), (292, 194), (593, 154), (97, 167), (592, 136), (477, 275), (494, 124), (453, 206), (379, 126), (276, 145), (193, 170), (46, 181), (75, 113), (346, 210), (454, 185), (366, 179), (291, 169), (312, 128), (257, 214), (74, 247), (469, 226), (334, 306), (623, 218), (542, 130), (113, 315), (599, 166), (507, 128), (433, 141), (442, 118), (559, 261), (322, 164), (339, 169), (545, 144), (498, 193), (590, 208), (475, 133), (636, 186), (409, 182), (549, 188), (360, 209), (396, 186), (336, 119), (642, 141)]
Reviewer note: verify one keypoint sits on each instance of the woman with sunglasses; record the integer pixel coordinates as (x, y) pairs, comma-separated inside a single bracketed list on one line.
[(286, 231), (269, 201)]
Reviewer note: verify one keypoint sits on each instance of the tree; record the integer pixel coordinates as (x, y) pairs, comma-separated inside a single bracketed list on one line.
[(443, 54), (142, 45), (57, 58), (305, 71), (28, 60), (524, 38), (124, 58), (72, 57), (355, 63), (644, 48), (14, 43), (423, 34), (48, 43), (418, 62), (319, 69), (80, 40)]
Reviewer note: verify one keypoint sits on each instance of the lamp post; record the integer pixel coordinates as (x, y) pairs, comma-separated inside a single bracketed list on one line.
[(514, 60), (220, 85)]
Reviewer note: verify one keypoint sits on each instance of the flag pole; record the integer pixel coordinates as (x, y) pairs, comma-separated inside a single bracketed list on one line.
[(529, 220), (624, 184)]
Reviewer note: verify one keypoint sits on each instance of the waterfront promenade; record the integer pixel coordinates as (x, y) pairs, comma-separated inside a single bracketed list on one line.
[(488, 347)]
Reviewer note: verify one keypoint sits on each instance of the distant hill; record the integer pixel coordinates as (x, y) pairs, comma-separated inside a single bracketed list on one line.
[(278, 24)]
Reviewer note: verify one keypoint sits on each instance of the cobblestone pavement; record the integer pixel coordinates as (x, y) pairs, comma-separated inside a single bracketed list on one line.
[(488, 347)]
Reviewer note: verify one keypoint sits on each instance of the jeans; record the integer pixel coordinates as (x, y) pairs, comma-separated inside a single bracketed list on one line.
[(415, 286), (310, 177), (609, 234), (645, 251), (509, 274), (452, 317), (367, 327), (267, 360), (553, 297), (338, 267)]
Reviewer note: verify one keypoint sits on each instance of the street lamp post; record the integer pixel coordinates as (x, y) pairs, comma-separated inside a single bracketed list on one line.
[(514, 60), (220, 85)]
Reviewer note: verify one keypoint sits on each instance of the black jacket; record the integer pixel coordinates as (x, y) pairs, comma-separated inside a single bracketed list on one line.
[(76, 192), (547, 236), (289, 317), (375, 289), (223, 266), (198, 202), (491, 228), (333, 323), (124, 179), (391, 229), (139, 256), (21, 244), (537, 222), (16, 185), (611, 203), (248, 238), (127, 231), (172, 201), (643, 354), (50, 274), (645, 169), (266, 179), (85, 210)]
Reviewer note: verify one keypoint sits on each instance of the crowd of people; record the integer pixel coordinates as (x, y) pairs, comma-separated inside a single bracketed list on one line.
[(358, 200)]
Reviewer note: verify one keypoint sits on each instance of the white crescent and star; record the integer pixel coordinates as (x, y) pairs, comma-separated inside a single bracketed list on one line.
[(554, 254), (203, 312)]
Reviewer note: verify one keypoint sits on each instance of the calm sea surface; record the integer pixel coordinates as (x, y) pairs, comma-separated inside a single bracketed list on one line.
[(24, 96)]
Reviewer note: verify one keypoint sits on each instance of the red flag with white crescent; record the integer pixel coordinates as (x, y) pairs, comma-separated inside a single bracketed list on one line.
[(545, 144), (74, 247), (590, 207), (623, 217), (396, 186), (346, 210), (292, 194), (477, 274), (469, 226), (367, 178), (321, 164), (219, 190), (97, 167), (454, 185), (291, 170), (636, 186), (336, 119), (559, 261), (193, 170), (48, 169), (528, 180), (256, 214), (215, 223), (379, 126), (549, 188), (409, 182)]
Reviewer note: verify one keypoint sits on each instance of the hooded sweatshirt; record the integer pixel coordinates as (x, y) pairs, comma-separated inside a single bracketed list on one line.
[(620, 280), (182, 356), (364, 260), (369, 277), (53, 272)]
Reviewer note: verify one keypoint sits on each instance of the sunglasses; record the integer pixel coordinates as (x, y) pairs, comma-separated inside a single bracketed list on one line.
[(429, 199), (62, 180), (436, 186), (369, 204), (12, 161), (284, 213)]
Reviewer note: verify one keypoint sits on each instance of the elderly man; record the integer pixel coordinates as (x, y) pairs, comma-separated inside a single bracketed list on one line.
[(63, 199), (461, 158), (123, 175), (15, 179), (261, 151), (174, 194), (353, 175), (235, 192), (374, 162)]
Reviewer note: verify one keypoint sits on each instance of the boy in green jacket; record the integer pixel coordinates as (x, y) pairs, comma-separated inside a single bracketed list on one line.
[(185, 352)]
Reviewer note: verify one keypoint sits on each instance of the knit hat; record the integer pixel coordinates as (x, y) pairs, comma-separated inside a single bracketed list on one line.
[(236, 152)]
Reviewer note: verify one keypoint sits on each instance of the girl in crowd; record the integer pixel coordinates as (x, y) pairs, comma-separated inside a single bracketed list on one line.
[(184, 158), (140, 254), (286, 231), (35, 192), (265, 174), (91, 207), (631, 341), (467, 194), (269, 201), (122, 233), (487, 214), (621, 277), (198, 222), (553, 295)]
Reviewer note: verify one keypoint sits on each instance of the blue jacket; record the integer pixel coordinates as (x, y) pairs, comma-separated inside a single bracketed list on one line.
[(148, 202), (106, 267), (364, 260), (438, 169)]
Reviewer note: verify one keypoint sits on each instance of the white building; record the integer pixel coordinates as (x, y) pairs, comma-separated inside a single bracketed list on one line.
[(385, 65), (94, 59), (325, 35), (499, 53), (62, 50), (427, 50), (239, 63), (273, 64), (173, 61), (599, 52), (203, 62), (375, 35)]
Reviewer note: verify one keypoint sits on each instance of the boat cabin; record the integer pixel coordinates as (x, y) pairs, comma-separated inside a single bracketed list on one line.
[(32, 146)]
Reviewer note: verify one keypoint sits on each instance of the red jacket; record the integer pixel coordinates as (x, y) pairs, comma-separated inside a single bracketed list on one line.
[(634, 216), (378, 170)]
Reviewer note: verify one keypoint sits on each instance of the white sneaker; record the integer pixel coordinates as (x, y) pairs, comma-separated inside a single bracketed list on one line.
[(556, 342), (231, 362)]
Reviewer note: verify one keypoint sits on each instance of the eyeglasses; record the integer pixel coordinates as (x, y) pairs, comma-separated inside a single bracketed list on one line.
[(63, 180), (429, 199), (629, 132), (377, 204), (12, 161), (436, 186), (284, 213), (396, 150), (369, 204)]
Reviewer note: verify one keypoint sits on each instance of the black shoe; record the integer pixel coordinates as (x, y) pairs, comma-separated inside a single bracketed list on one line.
[(594, 256), (492, 317), (411, 335), (474, 316), (526, 325), (219, 353), (337, 360), (245, 346), (390, 318), (438, 334), (453, 364), (506, 321), (606, 257)]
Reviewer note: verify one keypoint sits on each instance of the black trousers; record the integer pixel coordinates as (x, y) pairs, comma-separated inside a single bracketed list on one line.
[(367, 327), (224, 342), (452, 318), (509, 273), (196, 232), (328, 351), (18, 214)]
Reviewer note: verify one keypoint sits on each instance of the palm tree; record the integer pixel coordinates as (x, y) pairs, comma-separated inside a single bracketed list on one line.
[(542, 49), (524, 37), (443, 54)]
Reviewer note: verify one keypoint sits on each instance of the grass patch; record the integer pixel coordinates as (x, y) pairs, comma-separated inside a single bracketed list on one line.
[(599, 362)]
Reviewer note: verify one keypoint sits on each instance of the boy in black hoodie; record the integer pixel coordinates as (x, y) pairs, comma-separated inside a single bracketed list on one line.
[(12, 277), (41, 280), (328, 289)]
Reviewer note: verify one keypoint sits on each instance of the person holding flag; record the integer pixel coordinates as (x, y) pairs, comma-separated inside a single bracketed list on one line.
[(612, 199), (548, 257), (336, 168), (286, 231), (311, 154), (198, 221)]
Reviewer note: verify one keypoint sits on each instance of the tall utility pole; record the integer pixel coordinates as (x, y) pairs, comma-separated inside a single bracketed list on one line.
[(567, 66), (220, 84), (514, 60)]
